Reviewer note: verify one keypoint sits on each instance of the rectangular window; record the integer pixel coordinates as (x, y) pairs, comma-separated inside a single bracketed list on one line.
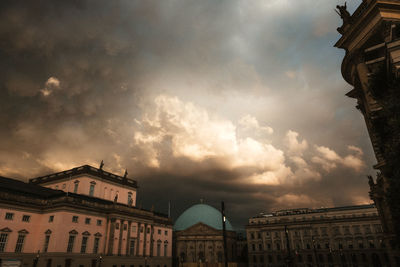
[(84, 244), (148, 230), (117, 226), (20, 243), (158, 250), (165, 249), (3, 241), (99, 222), (26, 218), (141, 229), (166, 232), (132, 247), (96, 245), (133, 228), (46, 243), (51, 218), (87, 220), (75, 219), (9, 216), (71, 242), (125, 226), (159, 231), (76, 187), (91, 190)]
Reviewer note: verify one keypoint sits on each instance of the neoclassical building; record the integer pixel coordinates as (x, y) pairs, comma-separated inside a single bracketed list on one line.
[(341, 236), (371, 39), (80, 217), (198, 237)]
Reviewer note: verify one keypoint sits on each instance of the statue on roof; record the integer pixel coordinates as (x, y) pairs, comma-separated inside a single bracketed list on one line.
[(101, 165), (343, 13), (126, 173)]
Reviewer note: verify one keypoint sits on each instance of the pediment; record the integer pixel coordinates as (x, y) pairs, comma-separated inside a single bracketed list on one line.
[(86, 233), (23, 231), (200, 229), (73, 232), (6, 230), (97, 234)]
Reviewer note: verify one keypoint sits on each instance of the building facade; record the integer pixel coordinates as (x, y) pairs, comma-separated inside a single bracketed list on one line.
[(343, 236), (80, 217), (198, 238), (371, 39)]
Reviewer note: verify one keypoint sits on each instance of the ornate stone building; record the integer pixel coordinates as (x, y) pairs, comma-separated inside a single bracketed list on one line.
[(342, 236), (371, 38), (198, 237), (79, 218)]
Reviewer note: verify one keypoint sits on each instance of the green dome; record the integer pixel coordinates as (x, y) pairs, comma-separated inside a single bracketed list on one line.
[(201, 213)]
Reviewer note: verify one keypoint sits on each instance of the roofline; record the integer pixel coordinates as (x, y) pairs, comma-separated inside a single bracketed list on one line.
[(85, 169), (319, 210)]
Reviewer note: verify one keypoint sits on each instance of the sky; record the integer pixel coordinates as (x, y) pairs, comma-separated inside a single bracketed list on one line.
[(234, 100)]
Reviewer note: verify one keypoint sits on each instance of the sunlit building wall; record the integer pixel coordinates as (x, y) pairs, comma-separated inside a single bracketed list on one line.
[(52, 222)]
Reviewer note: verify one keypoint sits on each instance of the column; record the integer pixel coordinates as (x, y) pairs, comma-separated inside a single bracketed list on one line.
[(111, 237), (128, 239), (138, 238), (121, 231), (151, 240), (144, 239)]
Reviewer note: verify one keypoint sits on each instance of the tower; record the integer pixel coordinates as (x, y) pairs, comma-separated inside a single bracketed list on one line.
[(371, 38)]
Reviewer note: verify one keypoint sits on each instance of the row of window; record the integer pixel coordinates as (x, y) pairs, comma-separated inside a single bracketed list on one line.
[(84, 242), (323, 231), (308, 218), (338, 245), (18, 246), (321, 258), (92, 190), (10, 216), (75, 219)]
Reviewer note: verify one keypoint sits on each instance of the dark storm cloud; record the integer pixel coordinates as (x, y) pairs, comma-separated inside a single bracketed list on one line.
[(195, 98)]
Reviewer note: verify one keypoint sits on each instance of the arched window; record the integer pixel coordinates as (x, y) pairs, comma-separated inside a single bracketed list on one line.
[(130, 200)]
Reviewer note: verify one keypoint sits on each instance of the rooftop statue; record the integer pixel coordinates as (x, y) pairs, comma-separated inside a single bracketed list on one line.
[(344, 14)]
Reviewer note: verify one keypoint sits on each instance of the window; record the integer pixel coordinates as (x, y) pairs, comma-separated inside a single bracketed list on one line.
[(9, 216), (166, 232), (148, 230), (75, 219), (346, 230), (87, 220), (159, 231), (371, 243), (260, 247), (26, 218), (99, 222), (20, 243), (96, 245), (130, 200), (132, 247), (360, 244), (76, 184), (165, 249), (84, 244), (3, 241), (91, 189), (63, 186), (133, 228), (51, 218), (117, 226), (71, 241), (158, 249), (125, 226), (46, 243), (278, 246)]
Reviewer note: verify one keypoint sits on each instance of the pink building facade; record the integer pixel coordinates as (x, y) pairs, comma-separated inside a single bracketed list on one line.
[(80, 217)]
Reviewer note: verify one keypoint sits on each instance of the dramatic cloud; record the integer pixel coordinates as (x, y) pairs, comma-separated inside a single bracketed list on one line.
[(233, 99)]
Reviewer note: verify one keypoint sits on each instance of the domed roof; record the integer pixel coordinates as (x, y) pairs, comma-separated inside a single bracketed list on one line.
[(201, 213)]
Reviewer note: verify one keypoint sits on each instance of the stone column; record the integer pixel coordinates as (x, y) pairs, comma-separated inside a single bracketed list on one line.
[(144, 239), (138, 238), (121, 231), (128, 239), (111, 237), (151, 240)]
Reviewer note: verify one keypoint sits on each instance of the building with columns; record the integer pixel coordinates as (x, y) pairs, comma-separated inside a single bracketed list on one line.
[(341, 236), (83, 217), (371, 38), (198, 238)]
